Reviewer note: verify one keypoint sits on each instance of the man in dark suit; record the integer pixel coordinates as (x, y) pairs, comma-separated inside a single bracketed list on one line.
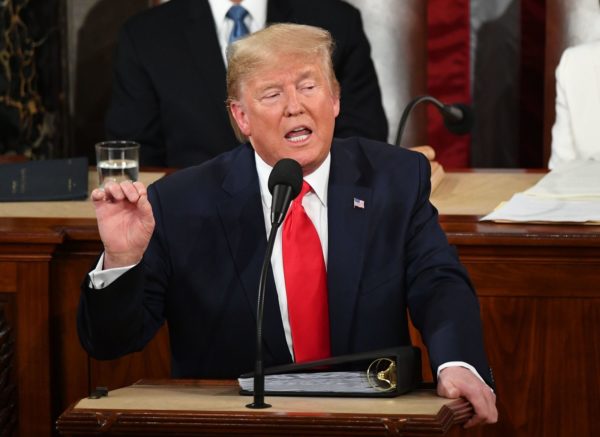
[(189, 250), (169, 81)]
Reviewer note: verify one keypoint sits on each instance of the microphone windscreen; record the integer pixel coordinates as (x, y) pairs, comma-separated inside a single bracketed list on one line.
[(286, 172), (465, 124)]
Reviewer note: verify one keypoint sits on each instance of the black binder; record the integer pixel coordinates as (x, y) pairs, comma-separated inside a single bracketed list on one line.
[(44, 180), (406, 371)]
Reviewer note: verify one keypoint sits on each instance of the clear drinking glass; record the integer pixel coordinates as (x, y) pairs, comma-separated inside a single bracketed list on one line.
[(117, 161)]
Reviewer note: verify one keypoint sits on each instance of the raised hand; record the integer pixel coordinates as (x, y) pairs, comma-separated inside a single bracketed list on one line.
[(125, 222)]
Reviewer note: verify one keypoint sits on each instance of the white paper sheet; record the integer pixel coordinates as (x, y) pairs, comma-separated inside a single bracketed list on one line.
[(576, 179), (333, 382), (526, 208)]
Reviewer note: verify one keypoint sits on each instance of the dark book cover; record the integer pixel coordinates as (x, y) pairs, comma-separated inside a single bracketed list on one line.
[(44, 180)]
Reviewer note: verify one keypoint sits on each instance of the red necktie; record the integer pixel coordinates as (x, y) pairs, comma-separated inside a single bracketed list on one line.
[(305, 283)]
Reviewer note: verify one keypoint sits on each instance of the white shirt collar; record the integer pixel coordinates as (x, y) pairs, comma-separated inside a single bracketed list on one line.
[(318, 179)]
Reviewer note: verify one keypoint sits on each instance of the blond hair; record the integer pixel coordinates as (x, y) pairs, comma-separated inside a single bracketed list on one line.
[(261, 49)]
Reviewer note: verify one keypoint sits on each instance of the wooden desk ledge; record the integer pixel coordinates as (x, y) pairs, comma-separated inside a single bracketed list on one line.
[(215, 407)]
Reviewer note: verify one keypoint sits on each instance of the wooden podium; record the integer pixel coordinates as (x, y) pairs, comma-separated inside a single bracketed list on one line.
[(537, 287), (186, 407)]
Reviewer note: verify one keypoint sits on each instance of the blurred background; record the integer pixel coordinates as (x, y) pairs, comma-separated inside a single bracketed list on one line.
[(499, 56)]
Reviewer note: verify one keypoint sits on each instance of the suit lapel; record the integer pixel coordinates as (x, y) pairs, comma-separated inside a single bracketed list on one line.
[(243, 223), (347, 241), (205, 51)]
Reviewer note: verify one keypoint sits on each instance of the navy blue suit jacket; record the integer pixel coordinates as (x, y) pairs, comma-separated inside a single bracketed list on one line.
[(169, 86), (201, 269)]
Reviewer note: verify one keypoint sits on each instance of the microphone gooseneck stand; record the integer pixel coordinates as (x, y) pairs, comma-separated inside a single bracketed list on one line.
[(458, 117), (285, 182), (259, 376)]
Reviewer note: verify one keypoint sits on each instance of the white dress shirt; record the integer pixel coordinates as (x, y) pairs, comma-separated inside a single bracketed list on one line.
[(315, 205), (255, 20)]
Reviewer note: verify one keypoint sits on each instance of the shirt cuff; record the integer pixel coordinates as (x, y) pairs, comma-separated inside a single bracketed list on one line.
[(461, 364), (100, 279)]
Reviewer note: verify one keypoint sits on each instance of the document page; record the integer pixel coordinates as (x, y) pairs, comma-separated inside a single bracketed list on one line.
[(576, 179), (333, 382), (524, 208), (568, 194)]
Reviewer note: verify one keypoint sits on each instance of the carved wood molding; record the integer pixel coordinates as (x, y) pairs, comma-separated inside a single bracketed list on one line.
[(138, 422)]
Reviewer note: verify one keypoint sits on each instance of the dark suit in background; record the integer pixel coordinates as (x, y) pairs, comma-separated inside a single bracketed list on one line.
[(169, 82), (202, 267)]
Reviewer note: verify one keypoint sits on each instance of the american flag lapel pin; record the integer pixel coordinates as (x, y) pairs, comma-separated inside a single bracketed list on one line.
[(359, 203)]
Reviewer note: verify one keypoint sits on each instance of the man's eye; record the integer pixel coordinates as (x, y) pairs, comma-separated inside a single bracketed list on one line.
[(270, 96)]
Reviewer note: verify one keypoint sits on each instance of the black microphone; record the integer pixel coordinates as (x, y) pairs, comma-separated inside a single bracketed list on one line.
[(285, 182), (458, 117)]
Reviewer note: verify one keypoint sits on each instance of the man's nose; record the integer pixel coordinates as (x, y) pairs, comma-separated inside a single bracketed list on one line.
[(293, 105)]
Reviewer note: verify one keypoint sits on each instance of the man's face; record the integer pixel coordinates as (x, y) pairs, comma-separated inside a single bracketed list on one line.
[(288, 110)]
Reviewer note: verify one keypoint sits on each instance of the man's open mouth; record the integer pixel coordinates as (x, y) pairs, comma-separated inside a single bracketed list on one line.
[(299, 134)]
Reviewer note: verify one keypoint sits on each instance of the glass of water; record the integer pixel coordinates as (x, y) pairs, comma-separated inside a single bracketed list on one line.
[(117, 161)]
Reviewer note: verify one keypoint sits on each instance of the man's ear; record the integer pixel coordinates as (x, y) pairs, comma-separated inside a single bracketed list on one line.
[(336, 106), (239, 115)]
